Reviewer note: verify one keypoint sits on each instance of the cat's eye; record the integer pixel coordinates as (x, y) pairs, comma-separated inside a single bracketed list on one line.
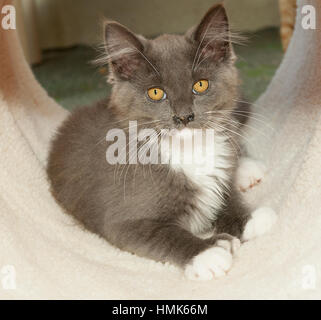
[(156, 94), (200, 86)]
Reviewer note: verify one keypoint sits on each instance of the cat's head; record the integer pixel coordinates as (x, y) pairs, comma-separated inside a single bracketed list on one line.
[(177, 80)]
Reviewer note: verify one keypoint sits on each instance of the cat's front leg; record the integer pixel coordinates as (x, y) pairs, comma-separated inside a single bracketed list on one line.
[(201, 259), (260, 222), (249, 173), (214, 262)]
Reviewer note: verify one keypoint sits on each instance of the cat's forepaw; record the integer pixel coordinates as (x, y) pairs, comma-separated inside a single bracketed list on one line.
[(261, 221), (249, 173), (228, 242), (224, 240), (211, 263)]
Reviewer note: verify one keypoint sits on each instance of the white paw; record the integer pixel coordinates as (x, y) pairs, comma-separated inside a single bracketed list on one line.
[(249, 173), (211, 263), (261, 222), (230, 245)]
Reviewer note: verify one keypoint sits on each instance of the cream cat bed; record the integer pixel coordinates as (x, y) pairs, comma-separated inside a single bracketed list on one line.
[(54, 258)]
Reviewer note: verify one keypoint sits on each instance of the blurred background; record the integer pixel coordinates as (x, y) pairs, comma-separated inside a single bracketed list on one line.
[(59, 38)]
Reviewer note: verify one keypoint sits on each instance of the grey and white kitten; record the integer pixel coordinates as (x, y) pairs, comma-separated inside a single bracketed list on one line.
[(164, 212)]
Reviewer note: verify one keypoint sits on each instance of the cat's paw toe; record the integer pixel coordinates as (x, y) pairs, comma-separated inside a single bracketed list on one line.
[(249, 173), (236, 245), (211, 263), (232, 245), (261, 221)]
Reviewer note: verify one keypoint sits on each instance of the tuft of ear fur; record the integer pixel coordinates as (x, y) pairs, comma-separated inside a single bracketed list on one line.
[(123, 51), (212, 37)]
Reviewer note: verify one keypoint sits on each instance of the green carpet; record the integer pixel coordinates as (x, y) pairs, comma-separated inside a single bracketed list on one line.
[(72, 81)]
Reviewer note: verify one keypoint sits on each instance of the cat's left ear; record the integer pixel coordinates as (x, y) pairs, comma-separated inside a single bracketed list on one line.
[(124, 51), (212, 36)]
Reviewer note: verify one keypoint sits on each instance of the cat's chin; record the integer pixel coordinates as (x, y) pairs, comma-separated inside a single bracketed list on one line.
[(184, 133)]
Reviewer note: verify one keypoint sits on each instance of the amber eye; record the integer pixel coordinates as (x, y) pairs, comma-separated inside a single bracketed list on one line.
[(156, 94), (200, 86)]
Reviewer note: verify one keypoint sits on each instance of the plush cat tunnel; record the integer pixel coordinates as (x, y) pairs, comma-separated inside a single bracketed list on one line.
[(44, 254)]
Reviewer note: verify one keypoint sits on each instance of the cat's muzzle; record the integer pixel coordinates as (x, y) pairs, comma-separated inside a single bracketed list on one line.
[(184, 119)]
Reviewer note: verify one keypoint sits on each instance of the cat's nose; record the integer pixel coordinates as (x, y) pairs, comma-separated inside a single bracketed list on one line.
[(184, 119)]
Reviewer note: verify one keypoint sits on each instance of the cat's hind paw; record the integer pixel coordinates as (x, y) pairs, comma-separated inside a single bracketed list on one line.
[(212, 263), (249, 173), (261, 221)]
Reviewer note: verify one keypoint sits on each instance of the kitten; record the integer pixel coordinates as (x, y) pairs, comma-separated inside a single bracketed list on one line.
[(172, 212)]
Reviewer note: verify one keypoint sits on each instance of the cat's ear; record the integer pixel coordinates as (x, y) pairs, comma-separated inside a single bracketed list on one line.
[(212, 35), (124, 50)]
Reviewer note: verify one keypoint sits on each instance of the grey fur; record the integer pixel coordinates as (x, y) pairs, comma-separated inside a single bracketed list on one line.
[(138, 208)]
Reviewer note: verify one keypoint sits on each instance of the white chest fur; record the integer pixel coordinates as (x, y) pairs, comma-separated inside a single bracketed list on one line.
[(210, 179)]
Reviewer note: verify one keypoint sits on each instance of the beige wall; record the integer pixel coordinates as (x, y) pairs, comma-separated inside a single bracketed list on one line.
[(44, 24), (65, 22), (27, 29)]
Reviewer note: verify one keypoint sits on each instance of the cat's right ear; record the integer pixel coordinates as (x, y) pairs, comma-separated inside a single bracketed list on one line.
[(124, 50), (212, 35)]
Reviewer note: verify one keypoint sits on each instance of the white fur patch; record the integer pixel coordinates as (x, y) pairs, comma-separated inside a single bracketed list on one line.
[(249, 173), (232, 246), (261, 222), (211, 263), (211, 180)]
